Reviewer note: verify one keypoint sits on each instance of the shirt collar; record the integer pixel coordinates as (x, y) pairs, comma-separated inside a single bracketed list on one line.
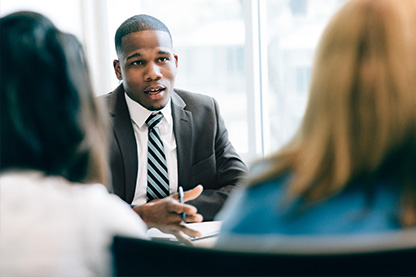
[(139, 114)]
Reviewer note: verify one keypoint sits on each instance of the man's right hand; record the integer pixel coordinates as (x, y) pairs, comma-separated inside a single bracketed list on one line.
[(165, 214)]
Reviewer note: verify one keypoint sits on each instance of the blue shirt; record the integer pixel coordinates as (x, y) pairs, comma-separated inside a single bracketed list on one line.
[(261, 210)]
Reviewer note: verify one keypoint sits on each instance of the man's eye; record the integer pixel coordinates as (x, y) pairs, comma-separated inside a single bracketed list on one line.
[(163, 59), (138, 63)]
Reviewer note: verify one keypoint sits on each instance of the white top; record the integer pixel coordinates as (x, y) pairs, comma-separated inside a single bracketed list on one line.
[(138, 115), (50, 227)]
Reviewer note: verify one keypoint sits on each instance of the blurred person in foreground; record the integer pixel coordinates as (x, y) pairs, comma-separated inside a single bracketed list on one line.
[(351, 167), (193, 137), (56, 216)]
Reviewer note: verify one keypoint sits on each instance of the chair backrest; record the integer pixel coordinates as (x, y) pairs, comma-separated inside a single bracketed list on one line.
[(135, 257)]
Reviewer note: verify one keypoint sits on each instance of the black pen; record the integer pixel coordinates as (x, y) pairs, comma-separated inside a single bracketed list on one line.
[(181, 201)]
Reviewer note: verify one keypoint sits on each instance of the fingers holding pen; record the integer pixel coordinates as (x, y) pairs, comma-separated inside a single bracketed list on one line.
[(193, 218), (188, 212), (167, 214), (191, 212)]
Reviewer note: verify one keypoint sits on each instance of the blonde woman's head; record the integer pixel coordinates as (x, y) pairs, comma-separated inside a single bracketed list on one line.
[(362, 106), (361, 114)]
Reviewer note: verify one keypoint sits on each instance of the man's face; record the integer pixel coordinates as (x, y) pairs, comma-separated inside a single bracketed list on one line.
[(147, 67)]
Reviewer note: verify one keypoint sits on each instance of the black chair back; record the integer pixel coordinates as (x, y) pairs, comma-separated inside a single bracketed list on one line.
[(135, 257)]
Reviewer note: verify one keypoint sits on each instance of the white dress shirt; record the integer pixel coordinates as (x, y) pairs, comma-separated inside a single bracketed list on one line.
[(138, 115)]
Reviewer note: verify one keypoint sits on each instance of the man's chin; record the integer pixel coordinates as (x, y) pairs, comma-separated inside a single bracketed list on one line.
[(156, 107)]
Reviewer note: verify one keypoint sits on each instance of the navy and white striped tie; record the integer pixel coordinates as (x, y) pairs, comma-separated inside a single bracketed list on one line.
[(157, 171)]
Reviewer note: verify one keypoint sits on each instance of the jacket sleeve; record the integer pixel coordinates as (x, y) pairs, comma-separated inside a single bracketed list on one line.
[(228, 170)]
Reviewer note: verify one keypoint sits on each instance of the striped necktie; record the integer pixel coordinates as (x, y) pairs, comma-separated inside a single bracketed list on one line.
[(157, 171)]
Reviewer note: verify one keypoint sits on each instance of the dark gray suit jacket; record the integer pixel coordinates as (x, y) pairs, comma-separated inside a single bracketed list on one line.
[(205, 154)]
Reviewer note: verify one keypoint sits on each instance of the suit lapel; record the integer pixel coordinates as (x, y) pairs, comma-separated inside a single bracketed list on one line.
[(182, 127), (124, 135)]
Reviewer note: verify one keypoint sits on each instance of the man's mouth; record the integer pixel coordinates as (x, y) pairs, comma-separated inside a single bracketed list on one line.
[(154, 90)]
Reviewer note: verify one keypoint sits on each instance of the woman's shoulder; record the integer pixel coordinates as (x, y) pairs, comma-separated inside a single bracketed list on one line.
[(254, 208), (269, 188), (92, 204), (109, 211)]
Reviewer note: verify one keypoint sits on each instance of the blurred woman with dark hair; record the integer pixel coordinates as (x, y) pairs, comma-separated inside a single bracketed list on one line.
[(56, 216)]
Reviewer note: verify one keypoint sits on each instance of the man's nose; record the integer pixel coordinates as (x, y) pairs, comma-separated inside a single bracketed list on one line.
[(152, 72)]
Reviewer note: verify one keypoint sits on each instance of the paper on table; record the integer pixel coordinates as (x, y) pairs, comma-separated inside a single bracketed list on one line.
[(207, 229)]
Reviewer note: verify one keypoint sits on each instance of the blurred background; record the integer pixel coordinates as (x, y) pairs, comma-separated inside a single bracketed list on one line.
[(253, 56)]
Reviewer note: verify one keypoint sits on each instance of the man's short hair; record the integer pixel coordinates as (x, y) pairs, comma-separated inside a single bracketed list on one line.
[(137, 23)]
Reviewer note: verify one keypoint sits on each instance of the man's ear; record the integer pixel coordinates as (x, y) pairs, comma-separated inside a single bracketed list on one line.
[(117, 70), (176, 59)]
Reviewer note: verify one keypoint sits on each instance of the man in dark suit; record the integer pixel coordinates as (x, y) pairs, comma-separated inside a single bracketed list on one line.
[(192, 131)]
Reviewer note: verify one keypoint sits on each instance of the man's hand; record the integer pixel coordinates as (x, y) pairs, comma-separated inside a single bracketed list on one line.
[(165, 214)]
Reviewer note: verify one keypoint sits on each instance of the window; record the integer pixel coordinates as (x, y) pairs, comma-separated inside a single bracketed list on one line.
[(253, 56), (66, 15), (291, 30)]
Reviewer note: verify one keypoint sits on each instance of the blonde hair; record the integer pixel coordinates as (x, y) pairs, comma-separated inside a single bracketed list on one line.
[(361, 114)]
